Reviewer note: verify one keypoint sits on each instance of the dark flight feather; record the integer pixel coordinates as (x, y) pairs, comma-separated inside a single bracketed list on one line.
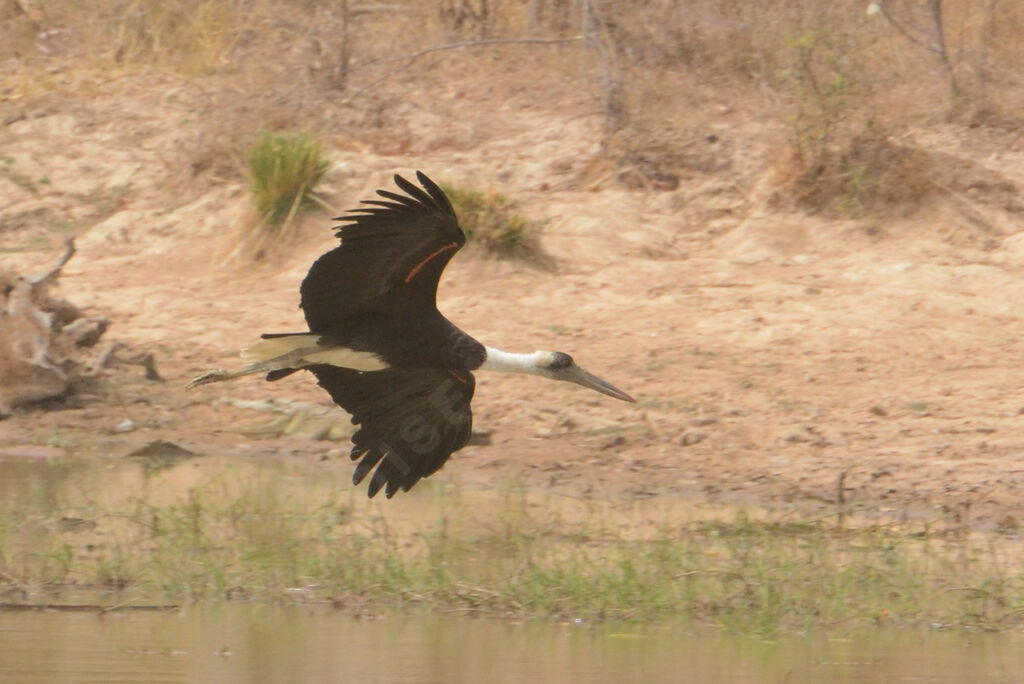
[(390, 259), (410, 420), (377, 292)]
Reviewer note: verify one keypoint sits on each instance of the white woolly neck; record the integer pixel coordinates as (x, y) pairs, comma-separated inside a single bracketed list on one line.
[(511, 362)]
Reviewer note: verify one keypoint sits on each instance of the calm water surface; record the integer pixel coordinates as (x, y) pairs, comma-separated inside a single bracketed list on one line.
[(245, 643), (239, 643)]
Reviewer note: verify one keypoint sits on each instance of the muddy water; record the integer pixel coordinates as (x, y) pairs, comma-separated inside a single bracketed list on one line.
[(46, 491), (237, 642), (232, 643), (91, 488)]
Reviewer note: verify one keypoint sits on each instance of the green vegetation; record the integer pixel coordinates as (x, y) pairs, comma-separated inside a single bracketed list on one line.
[(751, 576), (491, 221), (284, 171)]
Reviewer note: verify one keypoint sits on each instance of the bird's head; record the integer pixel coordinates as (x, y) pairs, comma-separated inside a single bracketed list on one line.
[(561, 366)]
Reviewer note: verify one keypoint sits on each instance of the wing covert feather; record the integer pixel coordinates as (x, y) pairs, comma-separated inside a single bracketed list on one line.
[(391, 256)]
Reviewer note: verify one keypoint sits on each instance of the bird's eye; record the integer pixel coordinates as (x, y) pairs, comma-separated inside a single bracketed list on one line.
[(560, 360)]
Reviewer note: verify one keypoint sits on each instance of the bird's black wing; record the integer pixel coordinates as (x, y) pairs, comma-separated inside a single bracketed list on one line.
[(392, 253), (410, 420)]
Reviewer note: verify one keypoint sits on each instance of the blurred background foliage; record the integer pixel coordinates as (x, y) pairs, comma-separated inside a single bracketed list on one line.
[(840, 79)]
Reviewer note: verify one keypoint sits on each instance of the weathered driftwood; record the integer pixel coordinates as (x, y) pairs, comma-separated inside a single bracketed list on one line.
[(42, 338)]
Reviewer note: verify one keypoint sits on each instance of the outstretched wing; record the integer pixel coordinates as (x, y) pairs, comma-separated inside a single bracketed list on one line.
[(391, 255), (410, 420)]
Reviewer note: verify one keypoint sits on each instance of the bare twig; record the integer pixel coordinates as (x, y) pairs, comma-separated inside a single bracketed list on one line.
[(612, 105), (940, 42), (841, 497), (86, 607), (900, 27), (340, 76), (69, 251), (102, 359), (936, 45), (412, 57)]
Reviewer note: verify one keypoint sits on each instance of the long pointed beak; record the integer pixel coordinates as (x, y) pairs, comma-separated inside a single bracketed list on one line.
[(582, 377)]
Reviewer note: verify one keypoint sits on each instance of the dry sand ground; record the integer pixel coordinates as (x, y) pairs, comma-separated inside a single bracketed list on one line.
[(776, 357)]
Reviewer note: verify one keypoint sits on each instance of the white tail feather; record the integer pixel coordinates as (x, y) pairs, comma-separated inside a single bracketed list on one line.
[(306, 349), (293, 351), (273, 347), (346, 358)]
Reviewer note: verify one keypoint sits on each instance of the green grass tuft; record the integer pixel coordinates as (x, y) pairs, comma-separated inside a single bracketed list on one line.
[(284, 171), (257, 541), (491, 221)]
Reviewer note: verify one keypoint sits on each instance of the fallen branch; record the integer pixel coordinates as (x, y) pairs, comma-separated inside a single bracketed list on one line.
[(87, 607), (53, 273), (41, 338)]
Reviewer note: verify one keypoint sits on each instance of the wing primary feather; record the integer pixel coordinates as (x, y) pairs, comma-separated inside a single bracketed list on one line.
[(363, 468), (440, 199), (409, 202), (359, 212), (415, 192), (380, 476), (389, 205), (371, 211)]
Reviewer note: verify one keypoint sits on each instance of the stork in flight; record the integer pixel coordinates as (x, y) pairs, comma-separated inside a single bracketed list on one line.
[(380, 347)]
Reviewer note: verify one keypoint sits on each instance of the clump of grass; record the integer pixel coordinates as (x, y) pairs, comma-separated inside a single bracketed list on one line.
[(284, 171), (193, 35), (871, 174), (492, 221), (748, 576)]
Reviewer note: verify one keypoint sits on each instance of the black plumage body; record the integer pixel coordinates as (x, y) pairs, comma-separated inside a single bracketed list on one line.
[(380, 347), (406, 339), (376, 292)]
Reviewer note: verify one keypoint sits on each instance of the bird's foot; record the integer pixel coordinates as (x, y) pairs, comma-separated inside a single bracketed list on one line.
[(208, 377)]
